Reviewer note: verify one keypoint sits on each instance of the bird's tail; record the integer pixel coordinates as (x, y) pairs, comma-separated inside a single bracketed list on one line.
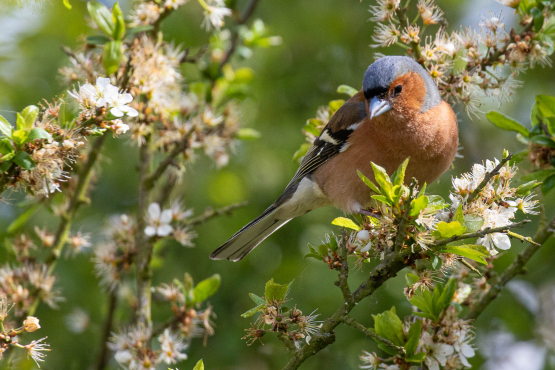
[(246, 239)]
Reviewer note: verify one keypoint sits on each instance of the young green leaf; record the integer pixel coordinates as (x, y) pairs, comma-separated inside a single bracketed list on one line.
[(29, 115), (459, 215), (473, 223), (247, 134), (98, 40), (345, 222), (20, 137), (118, 21), (345, 89), (276, 292), (548, 184), (417, 358), (525, 189), (206, 288), (417, 205), (66, 4), (23, 218), (398, 176), (472, 252), (301, 152), (336, 104), (256, 299), (388, 325), (6, 146), (112, 56), (538, 175), (507, 123), (199, 365), (253, 310), (413, 337), (448, 293), (382, 178), (102, 16), (38, 133), (5, 127), (24, 160), (368, 183), (138, 29), (446, 230)]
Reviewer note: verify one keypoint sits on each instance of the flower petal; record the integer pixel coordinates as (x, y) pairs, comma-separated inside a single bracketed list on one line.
[(164, 230), (166, 216), (150, 231), (154, 211)]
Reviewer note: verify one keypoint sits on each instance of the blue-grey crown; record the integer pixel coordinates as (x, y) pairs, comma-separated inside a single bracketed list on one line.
[(384, 71)]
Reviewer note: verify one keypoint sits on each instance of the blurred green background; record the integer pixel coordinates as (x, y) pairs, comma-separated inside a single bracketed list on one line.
[(325, 44)]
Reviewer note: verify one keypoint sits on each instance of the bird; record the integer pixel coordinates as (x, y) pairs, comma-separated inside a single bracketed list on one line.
[(399, 113)]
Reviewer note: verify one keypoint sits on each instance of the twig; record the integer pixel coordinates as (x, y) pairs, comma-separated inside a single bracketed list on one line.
[(488, 177), (211, 213), (343, 276), (480, 233), (235, 38), (286, 339), (524, 239), (149, 181), (166, 190), (369, 333), (103, 357), (144, 246), (514, 269), (404, 22), (75, 202)]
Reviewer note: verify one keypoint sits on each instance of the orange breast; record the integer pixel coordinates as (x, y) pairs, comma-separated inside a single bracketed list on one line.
[(430, 139)]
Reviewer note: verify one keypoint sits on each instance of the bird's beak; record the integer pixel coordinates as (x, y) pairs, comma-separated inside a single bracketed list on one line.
[(378, 106)]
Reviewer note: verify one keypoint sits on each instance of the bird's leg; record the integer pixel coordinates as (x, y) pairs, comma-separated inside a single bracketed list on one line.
[(366, 212)]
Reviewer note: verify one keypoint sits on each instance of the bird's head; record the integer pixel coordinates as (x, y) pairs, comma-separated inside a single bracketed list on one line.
[(398, 85)]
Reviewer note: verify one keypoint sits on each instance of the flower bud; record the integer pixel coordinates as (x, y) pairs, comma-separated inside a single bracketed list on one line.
[(31, 324)]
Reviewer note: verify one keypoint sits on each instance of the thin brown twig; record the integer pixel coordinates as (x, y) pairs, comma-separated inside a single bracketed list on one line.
[(480, 233), (103, 357), (210, 213), (488, 177), (369, 333)]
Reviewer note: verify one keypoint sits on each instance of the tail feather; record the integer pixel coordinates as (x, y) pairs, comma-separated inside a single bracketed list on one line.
[(250, 236)]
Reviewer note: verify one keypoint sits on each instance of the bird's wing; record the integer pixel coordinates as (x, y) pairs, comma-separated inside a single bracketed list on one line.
[(333, 138)]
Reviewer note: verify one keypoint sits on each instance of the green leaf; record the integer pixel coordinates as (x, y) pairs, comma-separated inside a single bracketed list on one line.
[(5, 127), (102, 16), (543, 140), (413, 337), (301, 152), (29, 116), (447, 230), (38, 133), (345, 222), (546, 105), (417, 205), (387, 349), (436, 203), (66, 4), (459, 215), (368, 183), (346, 89), (206, 288), (411, 278), (97, 40), (538, 175), (20, 136), (6, 146), (247, 134), (382, 178), (256, 299), (254, 310), (473, 223), (138, 29), (398, 176), (336, 104), (473, 252), (548, 184), (24, 160), (276, 292), (382, 199), (22, 219), (119, 22), (388, 325), (448, 293), (525, 189), (112, 56), (417, 358), (5, 165), (199, 365), (507, 123)]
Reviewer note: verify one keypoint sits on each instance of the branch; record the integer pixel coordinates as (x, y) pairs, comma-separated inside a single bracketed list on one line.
[(286, 339), (149, 181), (402, 224), (235, 38), (211, 213), (514, 269), (343, 276), (78, 198), (404, 22), (369, 333), (103, 357), (488, 177), (480, 233), (387, 269)]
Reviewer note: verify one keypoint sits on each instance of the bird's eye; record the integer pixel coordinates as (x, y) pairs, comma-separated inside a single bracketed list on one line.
[(397, 90)]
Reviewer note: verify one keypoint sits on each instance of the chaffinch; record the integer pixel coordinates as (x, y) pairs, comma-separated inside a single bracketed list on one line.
[(398, 114)]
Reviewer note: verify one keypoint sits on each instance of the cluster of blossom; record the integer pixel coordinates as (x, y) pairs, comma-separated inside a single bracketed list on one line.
[(190, 322), (23, 245), (24, 285), (148, 12), (496, 203), (10, 333), (292, 323), (133, 350), (467, 64), (160, 223), (446, 344)]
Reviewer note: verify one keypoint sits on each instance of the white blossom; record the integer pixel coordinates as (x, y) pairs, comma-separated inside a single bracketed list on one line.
[(158, 221)]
